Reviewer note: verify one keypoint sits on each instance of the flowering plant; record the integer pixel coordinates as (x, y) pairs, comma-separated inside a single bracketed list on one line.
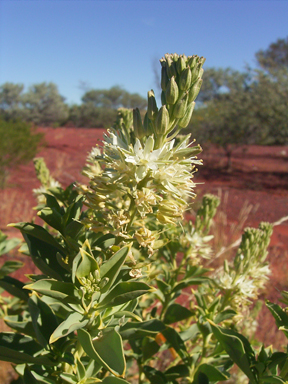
[(123, 294)]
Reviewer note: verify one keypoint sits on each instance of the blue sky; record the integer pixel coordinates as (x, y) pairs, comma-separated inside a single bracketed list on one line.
[(106, 43)]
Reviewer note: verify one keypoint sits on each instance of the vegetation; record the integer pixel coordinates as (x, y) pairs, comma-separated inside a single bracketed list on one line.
[(19, 143), (123, 293)]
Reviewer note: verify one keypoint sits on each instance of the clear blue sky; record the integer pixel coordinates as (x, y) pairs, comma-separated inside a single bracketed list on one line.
[(106, 43)]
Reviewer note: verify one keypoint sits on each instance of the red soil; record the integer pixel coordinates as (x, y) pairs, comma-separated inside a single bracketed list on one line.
[(259, 177)]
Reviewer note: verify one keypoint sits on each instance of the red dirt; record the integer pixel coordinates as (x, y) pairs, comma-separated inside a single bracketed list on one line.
[(259, 177)]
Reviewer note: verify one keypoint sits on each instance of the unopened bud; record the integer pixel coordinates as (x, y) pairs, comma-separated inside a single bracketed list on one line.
[(187, 117), (181, 64), (171, 67), (162, 121), (194, 90), (185, 79), (192, 60), (137, 124), (103, 282), (172, 91), (164, 77), (180, 107), (152, 109), (148, 126), (163, 98)]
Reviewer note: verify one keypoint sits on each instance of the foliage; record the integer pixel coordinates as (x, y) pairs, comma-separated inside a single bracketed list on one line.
[(18, 144), (41, 104), (123, 293), (275, 56)]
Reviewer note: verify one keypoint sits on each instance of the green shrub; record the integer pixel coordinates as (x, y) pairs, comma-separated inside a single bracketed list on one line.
[(19, 143)]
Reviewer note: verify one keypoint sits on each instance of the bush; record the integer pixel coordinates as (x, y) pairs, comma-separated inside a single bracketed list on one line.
[(19, 143)]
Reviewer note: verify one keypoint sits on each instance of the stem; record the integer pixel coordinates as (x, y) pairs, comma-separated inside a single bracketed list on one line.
[(140, 370)]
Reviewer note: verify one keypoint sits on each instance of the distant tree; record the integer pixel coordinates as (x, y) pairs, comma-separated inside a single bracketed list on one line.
[(43, 105), (19, 143), (11, 100), (275, 57), (115, 97)]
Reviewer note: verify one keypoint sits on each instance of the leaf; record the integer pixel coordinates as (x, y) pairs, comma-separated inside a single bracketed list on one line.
[(190, 333), (37, 232), (114, 380), (31, 377), (57, 289), (111, 268), (69, 378), (176, 312), (149, 347), (105, 241), (234, 346), (188, 282), (175, 341), (7, 245), (137, 330), (20, 349), (22, 326), (52, 218), (106, 350), (123, 292), (280, 316), (177, 371), (273, 380), (224, 315), (73, 211), (9, 267), (14, 287), (44, 256), (43, 319), (211, 372), (73, 322), (154, 376), (87, 264)]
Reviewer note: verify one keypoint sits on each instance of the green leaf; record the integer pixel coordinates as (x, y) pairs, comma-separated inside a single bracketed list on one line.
[(190, 333), (280, 316), (149, 347), (154, 376), (37, 232), (224, 315), (20, 349), (57, 289), (137, 330), (211, 372), (105, 241), (9, 267), (22, 326), (234, 346), (273, 380), (106, 350), (43, 319), (73, 211), (176, 312), (32, 377), (177, 371), (44, 256), (14, 287), (52, 218), (111, 268), (174, 340), (114, 380), (6, 245), (73, 322), (188, 282), (69, 378), (123, 292), (87, 264)]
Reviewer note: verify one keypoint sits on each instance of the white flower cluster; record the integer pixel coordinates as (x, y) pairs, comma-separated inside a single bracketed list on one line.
[(139, 180)]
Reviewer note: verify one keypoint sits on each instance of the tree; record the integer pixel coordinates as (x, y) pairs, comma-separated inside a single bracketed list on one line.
[(19, 143), (275, 57), (11, 100), (43, 105), (115, 97)]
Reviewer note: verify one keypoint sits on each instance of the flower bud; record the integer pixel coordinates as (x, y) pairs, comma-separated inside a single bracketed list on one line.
[(172, 91), (137, 124), (194, 90), (162, 121), (171, 67), (148, 126), (164, 78), (163, 98), (152, 109), (180, 107), (181, 64), (192, 60), (185, 120), (185, 79)]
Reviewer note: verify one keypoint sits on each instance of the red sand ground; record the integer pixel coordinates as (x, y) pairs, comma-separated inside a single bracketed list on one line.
[(259, 177)]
